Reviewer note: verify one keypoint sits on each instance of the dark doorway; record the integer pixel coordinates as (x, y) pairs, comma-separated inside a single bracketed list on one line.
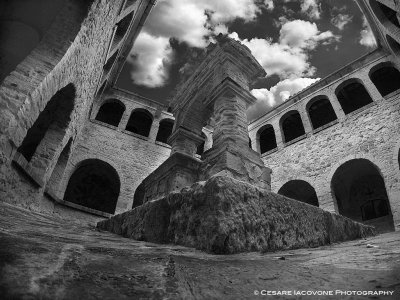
[(94, 184), (360, 194), (111, 112), (300, 190)]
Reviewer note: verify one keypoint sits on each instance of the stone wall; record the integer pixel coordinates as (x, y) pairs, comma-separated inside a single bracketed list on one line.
[(71, 53), (133, 156), (371, 132)]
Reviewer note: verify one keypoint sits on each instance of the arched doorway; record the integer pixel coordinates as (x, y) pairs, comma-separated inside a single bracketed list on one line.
[(94, 184), (267, 139), (299, 190), (140, 122), (111, 112), (360, 194)]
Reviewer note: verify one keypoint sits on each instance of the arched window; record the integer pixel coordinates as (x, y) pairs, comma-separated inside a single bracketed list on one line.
[(266, 136), (292, 126), (360, 194), (111, 112), (200, 148), (52, 121), (164, 130), (386, 78), (394, 45), (299, 190), (122, 28), (384, 13), (320, 111), (352, 95), (140, 122), (94, 184)]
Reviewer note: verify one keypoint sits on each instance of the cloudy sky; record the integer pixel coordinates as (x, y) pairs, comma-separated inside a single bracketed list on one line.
[(296, 41)]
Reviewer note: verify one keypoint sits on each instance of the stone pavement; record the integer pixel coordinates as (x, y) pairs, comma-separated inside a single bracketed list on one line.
[(43, 257)]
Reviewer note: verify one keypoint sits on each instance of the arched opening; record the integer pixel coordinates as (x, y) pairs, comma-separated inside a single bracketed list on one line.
[(111, 112), (59, 169), (321, 112), (122, 29), (200, 148), (250, 143), (267, 139), (164, 130), (393, 44), (352, 95), (52, 121), (384, 13), (22, 26), (292, 126), (386, 78), (140, 122), (138, 197), (299, 190), (360, 193), (94, 184)]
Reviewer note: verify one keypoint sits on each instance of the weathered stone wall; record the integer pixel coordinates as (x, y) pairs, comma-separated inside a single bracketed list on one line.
[(371, 132), (73, 52), (133, 156)]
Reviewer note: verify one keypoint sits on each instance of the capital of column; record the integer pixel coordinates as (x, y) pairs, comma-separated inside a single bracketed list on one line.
[(184, 141)]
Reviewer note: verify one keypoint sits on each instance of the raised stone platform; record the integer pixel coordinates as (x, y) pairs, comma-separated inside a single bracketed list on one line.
[(226, 216)]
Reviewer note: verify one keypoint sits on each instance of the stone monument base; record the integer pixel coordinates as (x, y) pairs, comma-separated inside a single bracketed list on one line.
[(225, 216)]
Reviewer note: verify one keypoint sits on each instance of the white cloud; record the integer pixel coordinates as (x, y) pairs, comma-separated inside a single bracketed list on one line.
[(276, 95), (367, 38), (150, 59), (312, 8), (269, 4), (341, 20), (189, 21), (289, 58)]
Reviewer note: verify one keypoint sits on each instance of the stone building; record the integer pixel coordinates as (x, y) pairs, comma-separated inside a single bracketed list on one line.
[(75, 145)]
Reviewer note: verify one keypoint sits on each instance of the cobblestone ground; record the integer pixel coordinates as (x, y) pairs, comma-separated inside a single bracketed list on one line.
[(42, 257)]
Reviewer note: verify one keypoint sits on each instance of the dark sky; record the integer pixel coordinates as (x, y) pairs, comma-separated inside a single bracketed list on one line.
[(330, 37)]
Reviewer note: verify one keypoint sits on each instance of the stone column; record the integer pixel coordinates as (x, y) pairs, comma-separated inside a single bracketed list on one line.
[(230, 122), (184, 141), (336, 105), (154, 129)]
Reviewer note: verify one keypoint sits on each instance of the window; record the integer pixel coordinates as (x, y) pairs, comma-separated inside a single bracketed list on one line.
[(321, 112), (292, 126), (164, 130), (140, 122), (111, 112), (352, 95), (386, 78), (267, 139)]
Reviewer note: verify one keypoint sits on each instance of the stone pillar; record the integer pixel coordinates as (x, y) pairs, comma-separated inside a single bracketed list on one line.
[(124, 119), (278, 134), (336, 105), (184, 141), (306, 121), (154, 130), (230, 122), (230, 155)]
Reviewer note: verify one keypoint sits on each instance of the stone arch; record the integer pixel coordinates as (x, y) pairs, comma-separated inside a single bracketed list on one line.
[(300, 190), (385, 14), (140, 122), (266, 138), (164, 130), (352, 95), (359, 191), (320, 111), (49, 129), (95, 184), (291, 125), (22, 33), (386, 78), (111, 112)]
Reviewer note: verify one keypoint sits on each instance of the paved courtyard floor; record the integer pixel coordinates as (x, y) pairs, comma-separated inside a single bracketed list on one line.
[(43, 257)]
